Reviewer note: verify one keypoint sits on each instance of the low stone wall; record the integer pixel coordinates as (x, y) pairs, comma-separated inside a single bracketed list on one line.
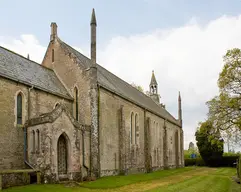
[(54, 178), (11, 178), (105, 173)]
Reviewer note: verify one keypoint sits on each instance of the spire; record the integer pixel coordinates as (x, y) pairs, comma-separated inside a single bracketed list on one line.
[(153, 79), (153, 89), (179, 108), (93, 18), (93, 37), (28, 57)]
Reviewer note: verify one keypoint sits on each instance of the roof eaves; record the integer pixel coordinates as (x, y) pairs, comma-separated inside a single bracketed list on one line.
[(143, 107), (35, 86)]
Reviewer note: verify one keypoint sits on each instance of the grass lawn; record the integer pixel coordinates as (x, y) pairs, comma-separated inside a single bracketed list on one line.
[(189, 179)]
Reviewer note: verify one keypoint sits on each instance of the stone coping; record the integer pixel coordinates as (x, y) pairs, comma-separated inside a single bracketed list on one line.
[(18, 171)]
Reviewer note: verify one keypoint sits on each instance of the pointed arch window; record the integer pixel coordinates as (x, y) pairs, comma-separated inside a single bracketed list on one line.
[(56, 105), (136, 128), (19, 109), (76, 103), (38, 140), (33, 141), (132, 128), (157, 133)]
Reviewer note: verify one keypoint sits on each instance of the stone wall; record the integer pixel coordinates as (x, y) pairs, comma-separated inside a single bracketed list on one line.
[(45, 158), (71, 74), (11, 135), (156, 141), (18, 177), (117, 154), (109, 127)]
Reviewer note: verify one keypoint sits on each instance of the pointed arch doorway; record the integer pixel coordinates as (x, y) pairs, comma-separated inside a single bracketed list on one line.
[(62, 155)]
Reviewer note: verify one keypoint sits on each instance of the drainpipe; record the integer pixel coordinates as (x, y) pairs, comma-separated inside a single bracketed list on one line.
[(83, 147), (29, 101), (25, 149)]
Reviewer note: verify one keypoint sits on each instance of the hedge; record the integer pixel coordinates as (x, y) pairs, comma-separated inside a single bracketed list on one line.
[(229, 161), (194, 162), (225, 161)]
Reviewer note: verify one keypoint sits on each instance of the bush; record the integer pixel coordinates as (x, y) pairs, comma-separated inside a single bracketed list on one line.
[(226, 161), (194, 162), (229, 161), (200, 162)]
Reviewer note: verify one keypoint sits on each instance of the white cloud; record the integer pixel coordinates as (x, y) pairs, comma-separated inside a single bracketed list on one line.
[(187, 58), (24, 45)]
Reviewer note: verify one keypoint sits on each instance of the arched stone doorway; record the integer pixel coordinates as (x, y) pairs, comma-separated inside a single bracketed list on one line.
[(62, 155)]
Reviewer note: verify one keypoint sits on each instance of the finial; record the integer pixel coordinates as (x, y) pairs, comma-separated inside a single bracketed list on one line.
[(93, 18), (179, 95), (28, 57)]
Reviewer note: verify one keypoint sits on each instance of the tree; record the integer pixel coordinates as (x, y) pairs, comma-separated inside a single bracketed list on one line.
[(209, 143), (138, 87), (225, 109)]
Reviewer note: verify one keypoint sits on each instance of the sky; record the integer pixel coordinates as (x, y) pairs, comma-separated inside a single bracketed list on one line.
[(183, 41)]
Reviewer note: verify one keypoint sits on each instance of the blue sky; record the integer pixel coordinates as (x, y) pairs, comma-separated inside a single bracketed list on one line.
[(183, 41), (114, 17)]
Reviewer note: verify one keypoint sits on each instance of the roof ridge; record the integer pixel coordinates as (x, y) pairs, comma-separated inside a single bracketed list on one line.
[(34, 62), (102, 67), (73, 48)]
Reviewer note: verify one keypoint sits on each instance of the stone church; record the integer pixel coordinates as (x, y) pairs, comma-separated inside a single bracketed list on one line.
[(71, 118)]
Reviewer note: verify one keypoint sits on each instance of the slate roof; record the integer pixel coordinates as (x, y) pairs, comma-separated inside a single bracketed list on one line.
[(20, 69), (113, 83)]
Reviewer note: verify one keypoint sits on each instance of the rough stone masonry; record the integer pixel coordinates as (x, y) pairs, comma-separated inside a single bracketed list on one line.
[(73, 119)]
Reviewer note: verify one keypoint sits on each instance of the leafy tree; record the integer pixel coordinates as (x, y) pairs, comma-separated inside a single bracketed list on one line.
[(138, 87), (189, 152), (225, 109), (209, 143)]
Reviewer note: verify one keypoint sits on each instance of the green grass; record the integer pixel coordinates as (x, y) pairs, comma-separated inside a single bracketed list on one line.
[(218, 180), (198, 183), (118, 181), (189, 179)]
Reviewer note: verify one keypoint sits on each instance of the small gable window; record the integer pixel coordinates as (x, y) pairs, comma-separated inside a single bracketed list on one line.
[(76, 103), (52, 55), (19, 109)]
